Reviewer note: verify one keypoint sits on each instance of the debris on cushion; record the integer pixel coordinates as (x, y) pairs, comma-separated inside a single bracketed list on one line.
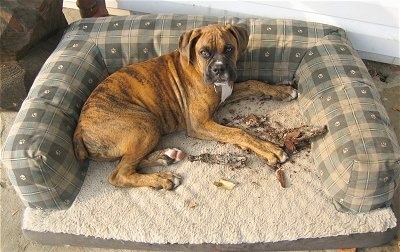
[(293, 139), (191, 204), (265, 127), (234, 161), (302, 136), (224, 184)]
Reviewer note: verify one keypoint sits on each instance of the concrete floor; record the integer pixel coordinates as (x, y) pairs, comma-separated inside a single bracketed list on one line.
[(387, 79)]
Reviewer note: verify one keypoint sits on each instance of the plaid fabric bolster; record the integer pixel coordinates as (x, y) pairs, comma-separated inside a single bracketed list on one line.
[(359, 157), (123, 40), (38, 162), (274, 52), (38, 154)]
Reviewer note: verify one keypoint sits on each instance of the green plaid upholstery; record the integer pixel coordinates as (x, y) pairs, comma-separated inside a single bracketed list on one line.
[(275, 49), (359, 159), (38, 151), (38, 154)]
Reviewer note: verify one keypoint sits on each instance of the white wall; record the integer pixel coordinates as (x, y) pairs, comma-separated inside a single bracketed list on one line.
[(372, 26)]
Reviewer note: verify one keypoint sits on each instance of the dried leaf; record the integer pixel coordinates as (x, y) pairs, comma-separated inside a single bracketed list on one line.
[(299, 138), (280, 175), (225, 184), (290, 146), (292, 135)]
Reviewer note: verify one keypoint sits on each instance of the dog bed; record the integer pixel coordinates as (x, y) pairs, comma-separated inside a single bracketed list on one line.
[(338, 195)]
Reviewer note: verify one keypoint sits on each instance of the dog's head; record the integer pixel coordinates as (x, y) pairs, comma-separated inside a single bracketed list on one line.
[(214, 50)]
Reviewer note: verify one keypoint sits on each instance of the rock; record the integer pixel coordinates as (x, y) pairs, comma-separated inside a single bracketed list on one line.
[(12, 89), (16, 77), (24, 23), (29, 30)]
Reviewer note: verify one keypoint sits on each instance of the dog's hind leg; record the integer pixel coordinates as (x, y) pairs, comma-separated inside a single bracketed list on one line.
[(143, 136), (125, 175)]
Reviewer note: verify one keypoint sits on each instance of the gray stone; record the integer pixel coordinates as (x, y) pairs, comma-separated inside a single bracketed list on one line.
[(12, 89), (25, 23)]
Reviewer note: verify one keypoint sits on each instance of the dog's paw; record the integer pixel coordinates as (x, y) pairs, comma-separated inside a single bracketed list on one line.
[(167, 180), (277, 156), (284, 157), (290, 94), (293, 95), (284, 93), (162, 157), (173, 155)]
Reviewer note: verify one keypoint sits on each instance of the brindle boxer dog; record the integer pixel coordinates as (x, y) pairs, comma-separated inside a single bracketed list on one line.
[(129, 111)]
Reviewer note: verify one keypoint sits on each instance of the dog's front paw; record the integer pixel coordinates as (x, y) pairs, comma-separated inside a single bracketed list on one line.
[(283, 157), (293, 95), (274, 155), (167, 180), (285, 93), (279, 156)]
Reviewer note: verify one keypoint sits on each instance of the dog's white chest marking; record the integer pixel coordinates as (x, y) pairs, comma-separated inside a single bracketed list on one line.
[(225, 88)]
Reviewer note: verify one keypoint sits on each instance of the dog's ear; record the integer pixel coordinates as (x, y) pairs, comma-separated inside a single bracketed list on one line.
[(187, 41), (241, 35)]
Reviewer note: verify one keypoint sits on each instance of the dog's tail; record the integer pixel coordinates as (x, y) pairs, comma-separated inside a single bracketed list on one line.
[(80, 150)]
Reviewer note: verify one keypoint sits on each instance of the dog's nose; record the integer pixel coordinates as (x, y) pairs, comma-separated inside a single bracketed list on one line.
[(218, 68)]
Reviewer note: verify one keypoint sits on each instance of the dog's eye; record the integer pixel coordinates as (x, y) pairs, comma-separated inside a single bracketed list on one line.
[(228, 48), (205, 53)]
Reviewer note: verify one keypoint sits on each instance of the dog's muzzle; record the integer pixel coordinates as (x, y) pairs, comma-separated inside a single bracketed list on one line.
[(220, 72)]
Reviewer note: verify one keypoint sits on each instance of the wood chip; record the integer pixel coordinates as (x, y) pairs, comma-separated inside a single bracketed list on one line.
[(192, 204), (280, 175), (224, 184)]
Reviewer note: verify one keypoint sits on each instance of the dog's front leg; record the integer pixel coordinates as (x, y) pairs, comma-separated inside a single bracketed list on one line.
[(210, 130), (253, 87)]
